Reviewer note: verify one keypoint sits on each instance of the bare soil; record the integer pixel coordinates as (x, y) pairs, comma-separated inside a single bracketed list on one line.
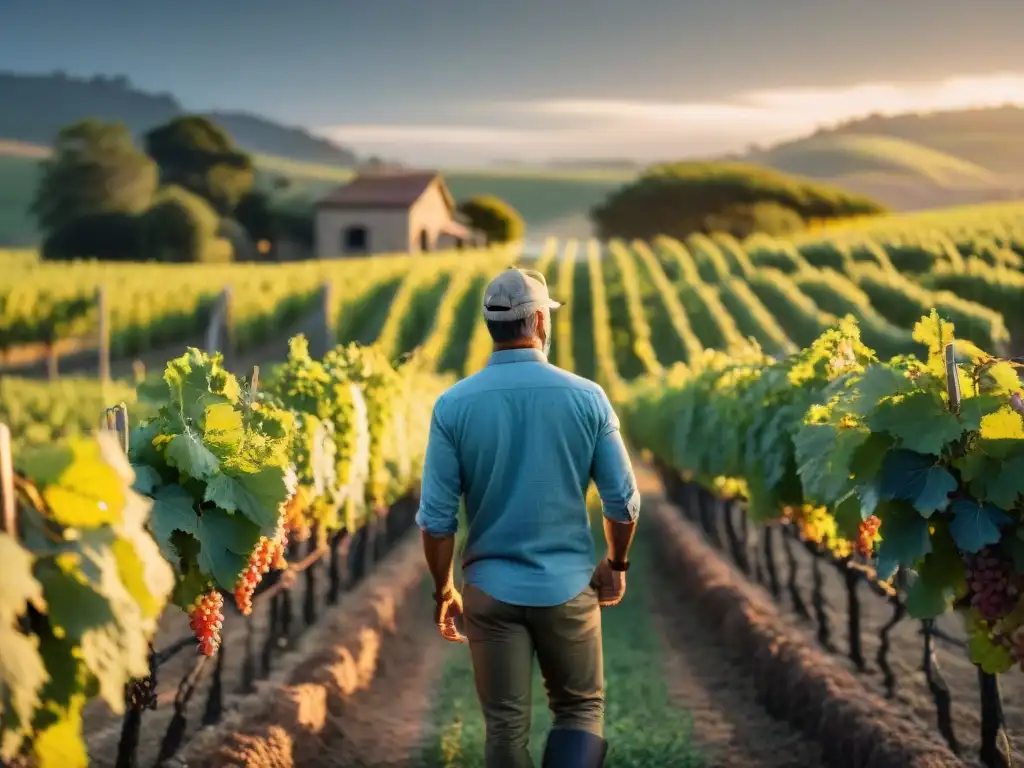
[(387, 725)]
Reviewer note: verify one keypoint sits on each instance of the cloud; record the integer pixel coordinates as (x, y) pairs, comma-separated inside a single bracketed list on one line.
[(647, 130), (806, 107), (458, 135)]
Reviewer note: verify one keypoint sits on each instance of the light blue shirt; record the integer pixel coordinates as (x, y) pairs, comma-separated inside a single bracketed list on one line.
[(521, 440)]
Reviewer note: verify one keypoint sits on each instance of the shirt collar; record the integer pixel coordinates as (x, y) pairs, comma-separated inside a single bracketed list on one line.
[(527, 355)]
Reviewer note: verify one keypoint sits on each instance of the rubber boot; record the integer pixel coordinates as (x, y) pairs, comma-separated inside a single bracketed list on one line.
[(574, 749)]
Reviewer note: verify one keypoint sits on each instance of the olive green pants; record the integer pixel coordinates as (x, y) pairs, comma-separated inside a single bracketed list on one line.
[(503, 639)]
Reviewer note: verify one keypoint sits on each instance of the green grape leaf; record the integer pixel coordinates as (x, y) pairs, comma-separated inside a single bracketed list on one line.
[(993, 659), (848, 516), (192, 583), (60, 658), (146, 480), (909, 476), (188, 454), (226, 541), (974, 410), (173, 510), (920, 420), (59, 744), (878, 383), (73, 607), (825, 456), (869, 497), (905, 540), (108, 653), (974, 525), (223, 430), (79, 484), (868, 458), (940, 579), (22, 676), (18, 588), (141, 450), (132, 570), (196, 382), (1000, 482), (257, 495)]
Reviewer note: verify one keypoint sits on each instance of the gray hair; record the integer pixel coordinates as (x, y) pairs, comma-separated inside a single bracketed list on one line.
[(506, 331)]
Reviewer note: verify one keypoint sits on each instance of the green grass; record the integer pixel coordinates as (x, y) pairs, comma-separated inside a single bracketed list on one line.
[(643, 726), (836, 155)]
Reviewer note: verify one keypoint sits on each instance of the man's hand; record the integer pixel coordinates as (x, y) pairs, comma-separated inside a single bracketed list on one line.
[(447, 606), (610, 585)]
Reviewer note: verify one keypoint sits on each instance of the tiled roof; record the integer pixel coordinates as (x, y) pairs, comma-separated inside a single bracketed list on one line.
[(384, 190)]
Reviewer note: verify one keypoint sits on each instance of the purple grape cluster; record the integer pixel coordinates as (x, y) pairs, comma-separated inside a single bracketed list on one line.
[(990, 584)]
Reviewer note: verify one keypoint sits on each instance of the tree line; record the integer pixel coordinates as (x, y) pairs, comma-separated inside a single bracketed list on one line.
[(188, 194)]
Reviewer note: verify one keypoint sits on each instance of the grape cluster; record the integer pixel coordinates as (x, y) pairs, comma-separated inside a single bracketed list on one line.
[(206, 620), (266, 555), (867, 535), (991, 587)]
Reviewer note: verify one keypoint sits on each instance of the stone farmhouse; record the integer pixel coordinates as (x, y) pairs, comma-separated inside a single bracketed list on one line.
[(390, 212)]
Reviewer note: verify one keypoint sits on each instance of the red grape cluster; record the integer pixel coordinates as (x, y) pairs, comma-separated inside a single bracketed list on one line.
[(866, 534), (206, 620), (259, 563), (990, 584), (281, 541)]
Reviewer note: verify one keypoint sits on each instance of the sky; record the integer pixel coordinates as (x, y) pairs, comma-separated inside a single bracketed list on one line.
[(457, 80)]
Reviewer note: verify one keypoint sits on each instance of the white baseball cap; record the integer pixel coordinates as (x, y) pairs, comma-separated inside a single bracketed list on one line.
[(515, 293)]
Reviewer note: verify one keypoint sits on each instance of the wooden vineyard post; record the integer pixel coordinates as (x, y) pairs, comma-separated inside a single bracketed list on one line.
[(327, 308), (228, 299), (115, 419), (103, 332), (219, 331), (995, 743), (8, 508)]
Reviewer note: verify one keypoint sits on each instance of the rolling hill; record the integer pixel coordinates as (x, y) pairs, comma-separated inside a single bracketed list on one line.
[(990, 138), (34, 107), (835, 155), (913, 161)]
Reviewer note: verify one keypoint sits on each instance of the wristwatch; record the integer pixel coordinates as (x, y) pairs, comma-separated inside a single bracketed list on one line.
[(618, 565)]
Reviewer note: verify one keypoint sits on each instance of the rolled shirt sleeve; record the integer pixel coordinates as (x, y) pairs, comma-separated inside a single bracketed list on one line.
[(441, 489), (611, 470)]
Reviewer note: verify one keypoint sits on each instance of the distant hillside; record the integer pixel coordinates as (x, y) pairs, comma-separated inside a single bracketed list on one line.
[(992, 138), (832, 156), (34, 107)]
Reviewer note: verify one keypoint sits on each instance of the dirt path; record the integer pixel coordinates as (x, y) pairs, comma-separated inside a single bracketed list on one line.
[(386, 725), (730, 728)]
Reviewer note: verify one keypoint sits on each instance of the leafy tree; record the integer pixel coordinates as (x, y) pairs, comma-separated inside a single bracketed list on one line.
[(182, 227), (683, 198), (106, 236), (200, 156), (494, 217), (95, 169)]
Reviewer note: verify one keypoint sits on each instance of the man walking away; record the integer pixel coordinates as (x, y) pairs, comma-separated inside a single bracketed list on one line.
[(520, 441)]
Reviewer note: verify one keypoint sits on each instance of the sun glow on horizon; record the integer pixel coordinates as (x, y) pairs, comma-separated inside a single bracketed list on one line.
[(615, 126)]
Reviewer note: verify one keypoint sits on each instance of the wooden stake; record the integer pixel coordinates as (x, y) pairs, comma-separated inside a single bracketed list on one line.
[(103, 344), (8, 508)]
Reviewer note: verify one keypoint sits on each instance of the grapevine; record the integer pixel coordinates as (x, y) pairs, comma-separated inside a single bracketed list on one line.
[(869, 459)]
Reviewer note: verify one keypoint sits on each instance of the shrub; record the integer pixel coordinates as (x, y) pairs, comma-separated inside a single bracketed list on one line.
[(182, 227), (494, 217), (682, 198)]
